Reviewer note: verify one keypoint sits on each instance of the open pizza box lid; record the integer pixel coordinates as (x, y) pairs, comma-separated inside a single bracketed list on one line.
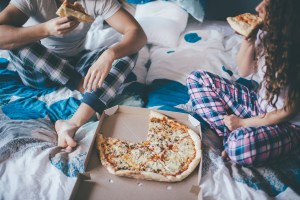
[(131, 123)]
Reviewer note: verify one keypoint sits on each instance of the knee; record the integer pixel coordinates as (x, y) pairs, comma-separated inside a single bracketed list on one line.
[(240, 157), (241, 149), (197, 73), (195, 76), (23, 51)]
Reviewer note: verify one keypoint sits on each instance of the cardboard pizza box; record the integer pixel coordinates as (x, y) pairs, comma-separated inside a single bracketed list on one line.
[(131, 123)]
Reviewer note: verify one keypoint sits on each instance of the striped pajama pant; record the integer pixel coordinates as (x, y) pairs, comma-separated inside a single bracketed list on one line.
[(40, 68), (213, 97)]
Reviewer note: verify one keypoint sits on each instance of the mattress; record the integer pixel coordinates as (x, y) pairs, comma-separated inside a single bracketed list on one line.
[(33, 167)]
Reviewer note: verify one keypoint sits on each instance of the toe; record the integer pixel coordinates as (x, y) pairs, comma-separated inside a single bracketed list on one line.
[(68, 149), (224, 155), (70, 141)]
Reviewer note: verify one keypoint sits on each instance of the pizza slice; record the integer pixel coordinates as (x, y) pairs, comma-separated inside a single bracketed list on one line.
[(245, 24), (171, 152), (75, 10)]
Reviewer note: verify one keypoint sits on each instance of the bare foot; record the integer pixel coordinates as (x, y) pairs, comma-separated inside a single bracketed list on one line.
[(98, 116), (65, 131), (225, 156)]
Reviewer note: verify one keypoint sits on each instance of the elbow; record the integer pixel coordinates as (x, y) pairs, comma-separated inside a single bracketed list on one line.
[(242, 74), (141, 38), (144, 38), (6, 46)]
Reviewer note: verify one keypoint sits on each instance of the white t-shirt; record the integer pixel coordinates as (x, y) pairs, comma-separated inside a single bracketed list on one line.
[(263, 103), (72, 43)]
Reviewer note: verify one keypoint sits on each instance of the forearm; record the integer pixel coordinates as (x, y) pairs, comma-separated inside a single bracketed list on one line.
[(271, 118), (131, 42), (246, 58), (15, 37)]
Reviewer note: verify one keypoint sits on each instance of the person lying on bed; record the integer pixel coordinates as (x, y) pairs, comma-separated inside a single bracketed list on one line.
[(264, 125), (51, 53)]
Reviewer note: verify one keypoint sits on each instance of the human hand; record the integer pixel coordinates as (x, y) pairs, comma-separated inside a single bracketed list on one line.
[(61, 25), (252, 36), (98, 72), (232, 122), (65, 131), (65, 140)]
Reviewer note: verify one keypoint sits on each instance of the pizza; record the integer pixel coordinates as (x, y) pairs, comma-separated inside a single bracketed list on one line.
[(245, 24), (171, 152), (75, 10)]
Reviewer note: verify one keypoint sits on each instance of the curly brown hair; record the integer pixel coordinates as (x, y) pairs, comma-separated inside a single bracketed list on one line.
[(281, 43)]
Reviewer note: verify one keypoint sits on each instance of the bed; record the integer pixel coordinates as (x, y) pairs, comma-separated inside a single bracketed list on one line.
[(33, 167)]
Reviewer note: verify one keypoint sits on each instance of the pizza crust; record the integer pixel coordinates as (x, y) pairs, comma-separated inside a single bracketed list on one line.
[(64, 11), (99, 141), (154, 114)]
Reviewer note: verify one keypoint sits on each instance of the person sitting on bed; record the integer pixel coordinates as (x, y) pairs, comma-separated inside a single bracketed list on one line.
[(257, 126), (51, 53)]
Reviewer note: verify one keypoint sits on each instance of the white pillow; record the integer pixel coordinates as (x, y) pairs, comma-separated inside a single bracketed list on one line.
[(162, 21), (100, 36), (140, 69)]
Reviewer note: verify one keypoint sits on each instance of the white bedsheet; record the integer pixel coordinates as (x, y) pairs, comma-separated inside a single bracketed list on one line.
[(32, 166), (217, 47)]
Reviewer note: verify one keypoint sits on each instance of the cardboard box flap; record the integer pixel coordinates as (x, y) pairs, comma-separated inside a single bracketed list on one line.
[(136, 113), (111, 111)]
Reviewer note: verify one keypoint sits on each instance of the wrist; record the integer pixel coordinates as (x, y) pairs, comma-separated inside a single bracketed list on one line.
[(243, 123), (249, 41), (109, 54), (43, 30)]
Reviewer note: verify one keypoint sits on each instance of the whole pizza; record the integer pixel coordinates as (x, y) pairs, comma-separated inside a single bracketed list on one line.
[(171, 152)]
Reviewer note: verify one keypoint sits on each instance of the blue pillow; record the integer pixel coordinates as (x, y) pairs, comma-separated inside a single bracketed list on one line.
[(195, 7)]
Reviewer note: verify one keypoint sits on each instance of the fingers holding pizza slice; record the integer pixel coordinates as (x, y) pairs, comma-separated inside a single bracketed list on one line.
[(245, 24), (76, 10)]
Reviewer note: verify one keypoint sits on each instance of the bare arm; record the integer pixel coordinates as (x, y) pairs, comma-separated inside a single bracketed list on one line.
[(13, 35), (275, 117), (134, 37), (271, 118), (133, 40), (246, 58)]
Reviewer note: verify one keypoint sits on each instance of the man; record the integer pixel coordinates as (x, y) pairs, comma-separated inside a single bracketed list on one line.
[(51, 52)]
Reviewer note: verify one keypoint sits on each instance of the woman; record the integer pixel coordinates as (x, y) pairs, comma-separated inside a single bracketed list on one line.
[(257, 126)]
